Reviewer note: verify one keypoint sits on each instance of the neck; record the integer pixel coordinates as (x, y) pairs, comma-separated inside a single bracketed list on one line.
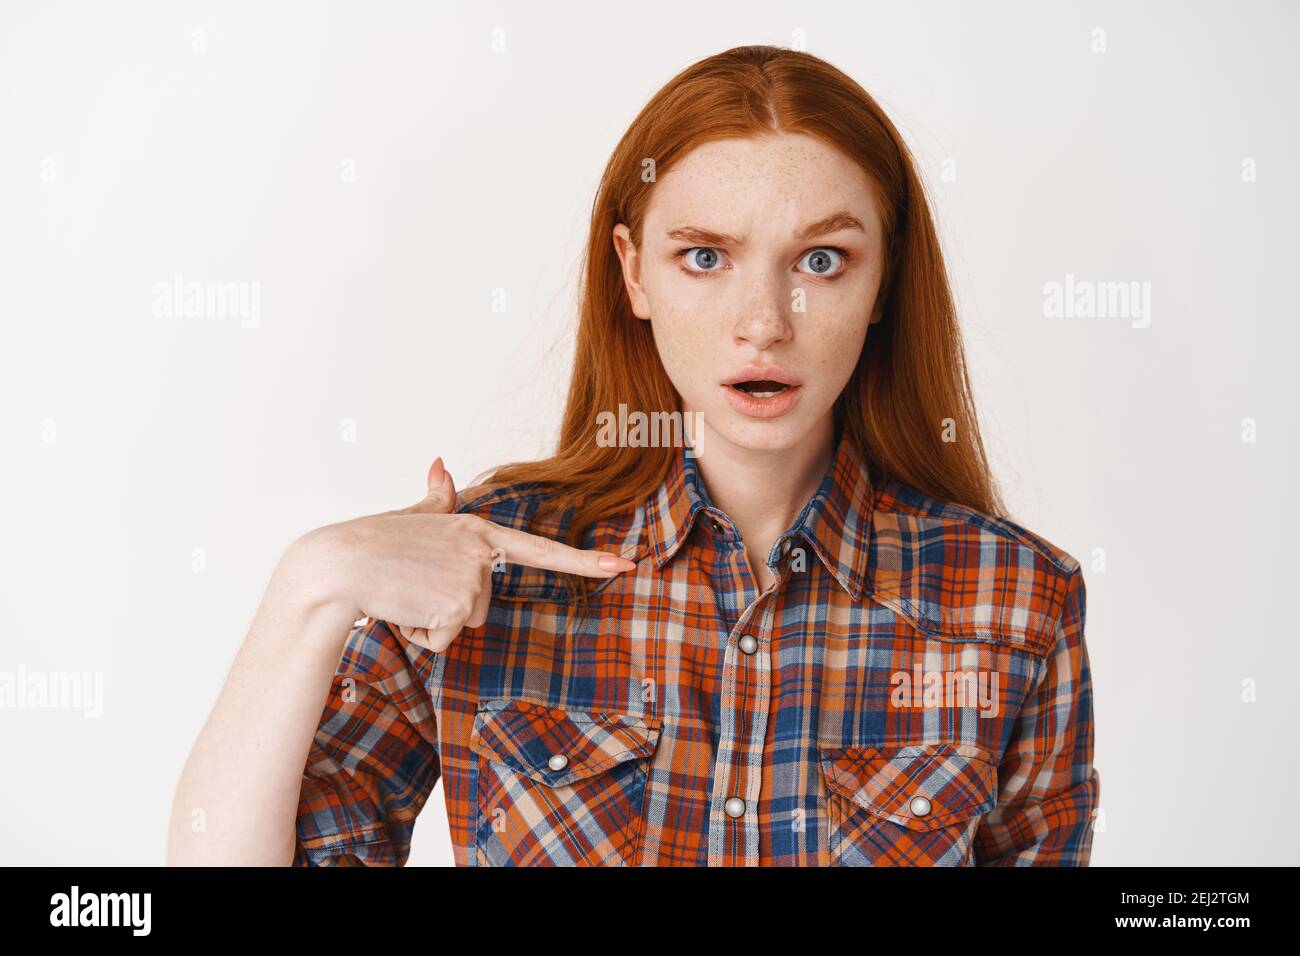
[(763, 490)]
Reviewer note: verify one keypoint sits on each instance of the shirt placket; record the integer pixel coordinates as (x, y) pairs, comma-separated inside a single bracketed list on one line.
[(746, 692)]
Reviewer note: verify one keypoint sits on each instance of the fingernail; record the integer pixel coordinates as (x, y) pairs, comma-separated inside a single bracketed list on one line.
[(612, 562), (436, 472)]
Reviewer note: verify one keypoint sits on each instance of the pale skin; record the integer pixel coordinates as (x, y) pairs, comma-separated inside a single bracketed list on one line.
[(762, 193), (427, 570)]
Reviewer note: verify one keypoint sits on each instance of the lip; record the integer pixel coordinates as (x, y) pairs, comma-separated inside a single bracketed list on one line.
[(758, 372), (773, 407)]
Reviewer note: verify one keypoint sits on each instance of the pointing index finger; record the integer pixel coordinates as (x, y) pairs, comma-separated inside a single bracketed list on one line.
[(538, 551)]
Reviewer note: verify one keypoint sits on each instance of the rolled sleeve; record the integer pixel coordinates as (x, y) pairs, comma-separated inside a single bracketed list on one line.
[(374, 758), (1048, 786)]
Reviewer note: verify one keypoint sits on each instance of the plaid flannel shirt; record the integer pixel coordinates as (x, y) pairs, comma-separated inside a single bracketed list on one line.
[(913, 690)]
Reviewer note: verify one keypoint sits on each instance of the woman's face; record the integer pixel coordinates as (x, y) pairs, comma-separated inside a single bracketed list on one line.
[(765, 252)]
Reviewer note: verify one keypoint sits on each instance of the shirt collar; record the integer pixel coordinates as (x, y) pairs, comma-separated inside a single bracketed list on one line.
[(835, 522)]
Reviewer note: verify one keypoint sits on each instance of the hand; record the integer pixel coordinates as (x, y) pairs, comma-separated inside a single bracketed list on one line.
[(428, 570)]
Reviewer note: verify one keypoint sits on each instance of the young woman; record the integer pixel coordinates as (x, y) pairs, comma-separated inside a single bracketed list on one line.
[(810, 638)]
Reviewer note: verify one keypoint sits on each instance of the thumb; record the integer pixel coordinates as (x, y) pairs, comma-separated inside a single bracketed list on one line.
[(441, 498)]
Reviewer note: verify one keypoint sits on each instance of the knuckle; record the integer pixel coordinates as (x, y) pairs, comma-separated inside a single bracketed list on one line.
[(466, 522), (455, 611), (469, 530), (473, 545), (481, 618)]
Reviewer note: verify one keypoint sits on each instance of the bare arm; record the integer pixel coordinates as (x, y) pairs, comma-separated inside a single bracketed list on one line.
[(237, 797)]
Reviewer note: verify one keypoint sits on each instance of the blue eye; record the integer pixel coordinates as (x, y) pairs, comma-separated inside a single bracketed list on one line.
[(826, 260), (703, 258)]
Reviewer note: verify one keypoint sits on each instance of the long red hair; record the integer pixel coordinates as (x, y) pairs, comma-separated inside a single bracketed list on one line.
[(908, 405)]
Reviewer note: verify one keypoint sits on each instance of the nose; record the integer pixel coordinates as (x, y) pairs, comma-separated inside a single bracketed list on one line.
[(764, 316)]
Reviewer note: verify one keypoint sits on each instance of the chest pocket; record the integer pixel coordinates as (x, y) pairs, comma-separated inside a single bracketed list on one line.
[(916, 805), (559, 787)]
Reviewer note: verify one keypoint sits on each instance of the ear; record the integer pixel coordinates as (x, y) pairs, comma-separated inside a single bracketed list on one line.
[(878, 308), (877, 311), (631, 261)]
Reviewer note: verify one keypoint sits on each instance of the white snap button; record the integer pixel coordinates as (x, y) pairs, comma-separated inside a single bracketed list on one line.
[(734, 807), (919, 806), (785, 546), (748, 644), (558, 762)]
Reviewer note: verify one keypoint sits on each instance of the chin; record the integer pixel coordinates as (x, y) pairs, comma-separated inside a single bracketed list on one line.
[(772, 435)]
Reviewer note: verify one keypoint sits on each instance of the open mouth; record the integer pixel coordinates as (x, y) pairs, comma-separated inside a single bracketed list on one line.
[(761, 388)]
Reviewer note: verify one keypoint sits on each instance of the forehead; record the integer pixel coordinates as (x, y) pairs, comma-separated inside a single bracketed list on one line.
[(773, 180)]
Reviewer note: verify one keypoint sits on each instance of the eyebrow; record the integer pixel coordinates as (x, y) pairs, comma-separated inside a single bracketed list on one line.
[(707, 237)]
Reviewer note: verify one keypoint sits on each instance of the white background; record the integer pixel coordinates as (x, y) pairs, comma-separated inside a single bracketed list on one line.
[(214, 141)]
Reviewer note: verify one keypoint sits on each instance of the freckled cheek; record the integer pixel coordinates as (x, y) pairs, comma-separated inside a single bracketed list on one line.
[(686, 350), (836, 346)]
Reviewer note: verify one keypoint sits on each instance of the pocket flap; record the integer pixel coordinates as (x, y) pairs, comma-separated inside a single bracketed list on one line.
[(531, 738), (923, 786)]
